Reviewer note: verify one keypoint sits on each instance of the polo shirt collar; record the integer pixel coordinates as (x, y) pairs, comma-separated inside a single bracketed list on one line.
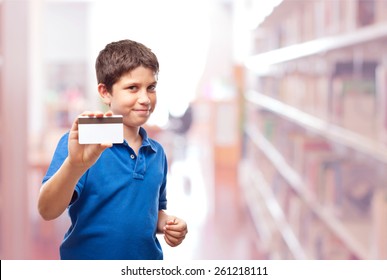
[(146, 141)]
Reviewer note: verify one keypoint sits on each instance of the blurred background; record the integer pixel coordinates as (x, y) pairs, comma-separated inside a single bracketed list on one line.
[(273, 115)]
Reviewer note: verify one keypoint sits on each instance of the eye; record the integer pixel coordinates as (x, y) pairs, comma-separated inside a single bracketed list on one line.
[(152, 88), (132, 88)]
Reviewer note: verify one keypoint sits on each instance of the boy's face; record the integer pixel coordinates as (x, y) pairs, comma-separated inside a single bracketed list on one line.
[(133, 96)]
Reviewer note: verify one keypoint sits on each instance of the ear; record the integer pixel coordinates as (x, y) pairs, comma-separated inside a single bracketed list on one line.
[(105, 95)]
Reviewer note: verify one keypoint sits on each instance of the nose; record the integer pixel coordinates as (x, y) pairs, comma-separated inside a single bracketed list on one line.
[(143, 97)]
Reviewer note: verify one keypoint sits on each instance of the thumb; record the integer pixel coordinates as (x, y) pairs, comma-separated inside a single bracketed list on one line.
[(97, 150), (105, 146), (172, 221)]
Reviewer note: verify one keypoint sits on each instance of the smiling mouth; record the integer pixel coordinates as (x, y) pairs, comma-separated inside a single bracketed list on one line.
[(144, 111)]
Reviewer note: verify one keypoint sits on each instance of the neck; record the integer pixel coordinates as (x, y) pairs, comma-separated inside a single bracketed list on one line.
[(133, 137)]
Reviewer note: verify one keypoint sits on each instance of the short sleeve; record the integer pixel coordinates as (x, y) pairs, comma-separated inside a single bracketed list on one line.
[(163, 189), (58, 158)]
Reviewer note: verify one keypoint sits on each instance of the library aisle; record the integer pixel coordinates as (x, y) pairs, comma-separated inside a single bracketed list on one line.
[(286, 157)]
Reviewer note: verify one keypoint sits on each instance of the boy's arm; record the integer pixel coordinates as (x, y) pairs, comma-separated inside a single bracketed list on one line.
[(56, 193)]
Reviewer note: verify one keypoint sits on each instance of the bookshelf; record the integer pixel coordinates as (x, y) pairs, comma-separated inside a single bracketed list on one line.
[(1, 140), (261, 62), (37, 89), (13, 131), (314, 136)]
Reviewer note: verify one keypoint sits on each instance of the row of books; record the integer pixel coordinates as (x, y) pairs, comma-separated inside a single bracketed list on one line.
[(324, 165), (304, 20), (350, 95), (332, 193), (315, 237), (340, 181)]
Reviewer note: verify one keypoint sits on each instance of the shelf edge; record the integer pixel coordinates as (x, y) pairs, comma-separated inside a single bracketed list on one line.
[(323, 128), (299, 187), (276, 212), (261, 61)]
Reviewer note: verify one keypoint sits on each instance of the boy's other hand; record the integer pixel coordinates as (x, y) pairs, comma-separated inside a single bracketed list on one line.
[(175, 231)]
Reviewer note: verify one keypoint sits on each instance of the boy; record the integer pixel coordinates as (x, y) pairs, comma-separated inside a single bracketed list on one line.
[(115, 194)]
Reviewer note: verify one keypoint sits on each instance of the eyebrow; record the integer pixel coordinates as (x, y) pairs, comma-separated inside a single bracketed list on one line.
[(136, 83)]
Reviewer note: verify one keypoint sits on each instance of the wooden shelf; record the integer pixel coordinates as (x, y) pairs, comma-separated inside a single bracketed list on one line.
[(294, 180), (255, 178), (323, 128), (259, 63), (310, 108)]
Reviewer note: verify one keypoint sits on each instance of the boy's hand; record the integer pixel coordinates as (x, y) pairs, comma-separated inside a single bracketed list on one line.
[(85, 155), (175, 231)]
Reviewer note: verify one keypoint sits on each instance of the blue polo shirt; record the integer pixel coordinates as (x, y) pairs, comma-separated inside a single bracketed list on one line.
[(114, 210)]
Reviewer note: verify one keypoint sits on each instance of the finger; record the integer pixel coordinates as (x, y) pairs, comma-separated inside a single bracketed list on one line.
[(76, 121), (176, 227), (74, 126), (173, 228), (176, 233), (171, 241), (98, 114), (109, 113), (86, 113)]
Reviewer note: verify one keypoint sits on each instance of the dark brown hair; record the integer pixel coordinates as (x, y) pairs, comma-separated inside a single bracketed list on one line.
[(121, 57)]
